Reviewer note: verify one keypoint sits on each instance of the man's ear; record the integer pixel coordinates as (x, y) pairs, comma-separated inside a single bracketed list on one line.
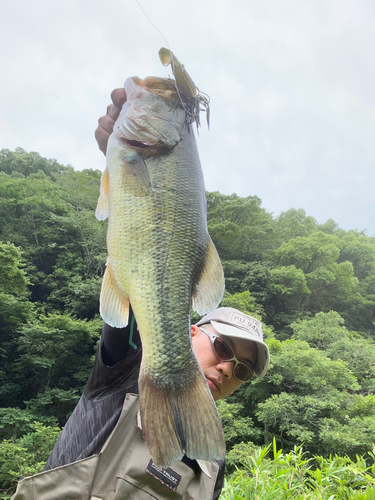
[(195, 332)]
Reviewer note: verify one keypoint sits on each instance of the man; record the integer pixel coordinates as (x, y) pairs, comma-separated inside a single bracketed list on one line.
[(100, 453)]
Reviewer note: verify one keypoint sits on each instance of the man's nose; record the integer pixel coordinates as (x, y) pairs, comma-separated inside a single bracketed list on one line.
[(226, 367)]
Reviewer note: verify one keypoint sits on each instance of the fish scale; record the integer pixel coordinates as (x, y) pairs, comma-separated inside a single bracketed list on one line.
[(162, 261)]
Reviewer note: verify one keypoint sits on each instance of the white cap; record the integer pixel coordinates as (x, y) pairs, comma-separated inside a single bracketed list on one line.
[(233, 323)]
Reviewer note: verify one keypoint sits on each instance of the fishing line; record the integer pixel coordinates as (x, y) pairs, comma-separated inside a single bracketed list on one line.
[(201, 99), (152, 24), (166, 41)]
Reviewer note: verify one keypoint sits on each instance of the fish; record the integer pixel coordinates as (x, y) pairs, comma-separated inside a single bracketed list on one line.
[(161, 260)]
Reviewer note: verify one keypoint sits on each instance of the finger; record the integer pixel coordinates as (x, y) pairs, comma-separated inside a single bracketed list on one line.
[(107, 123), (118, 97), (103, 131), (113, 112), (102, 136)]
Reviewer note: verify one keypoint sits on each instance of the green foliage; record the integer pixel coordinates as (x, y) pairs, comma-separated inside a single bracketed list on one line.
[(48, 210), (13, 279), (240, 456), (309, 253), (351, 435), (14, 307), (287, 294), (313, 395), (237, 426), (268, 473), (292, 224), (321, 331), (25, 456), (19, 161), (244, 301), (15, 311), (14, 422), (239, 227), (359, 249), (328, 284), (54, 362), (312, 285), (327, 333)]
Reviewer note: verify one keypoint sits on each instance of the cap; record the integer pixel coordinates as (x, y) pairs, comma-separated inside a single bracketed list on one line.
[(233, 323)]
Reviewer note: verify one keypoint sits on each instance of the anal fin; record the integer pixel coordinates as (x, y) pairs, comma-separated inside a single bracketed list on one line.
[(209, 290), (114, 305)]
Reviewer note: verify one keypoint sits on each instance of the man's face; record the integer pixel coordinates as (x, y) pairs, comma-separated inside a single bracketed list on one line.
[(218, 373)]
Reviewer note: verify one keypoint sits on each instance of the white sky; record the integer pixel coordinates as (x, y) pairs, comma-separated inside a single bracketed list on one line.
[(291, 83)]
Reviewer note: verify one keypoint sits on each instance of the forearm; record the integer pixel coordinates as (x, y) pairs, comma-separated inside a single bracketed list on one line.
[(117, 343)]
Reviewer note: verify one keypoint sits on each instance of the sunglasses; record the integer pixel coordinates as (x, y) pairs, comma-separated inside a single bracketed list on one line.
[(224, 351)]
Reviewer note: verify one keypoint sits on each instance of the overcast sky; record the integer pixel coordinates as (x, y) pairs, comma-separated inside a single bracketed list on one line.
[(291, 83)]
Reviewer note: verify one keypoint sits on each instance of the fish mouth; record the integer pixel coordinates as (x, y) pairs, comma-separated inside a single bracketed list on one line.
[(144, 123), (135, 144)]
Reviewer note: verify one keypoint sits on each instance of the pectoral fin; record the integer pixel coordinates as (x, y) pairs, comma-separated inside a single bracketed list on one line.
[(209, 290), (101, 212), (114, 305), (136, 177)]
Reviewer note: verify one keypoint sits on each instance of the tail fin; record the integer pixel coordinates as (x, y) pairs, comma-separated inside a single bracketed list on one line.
[(180, 421)]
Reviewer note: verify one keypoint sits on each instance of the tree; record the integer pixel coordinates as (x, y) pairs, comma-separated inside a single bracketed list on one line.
[(326, 332), (14, 306), (15, 311), (239, 227), (306, 390), (19, 161), (25, 456), (244, 302), (309, 253), (359, 249), (293, 223), (286, 295), (55, 358), (331, 285), (26, 205)]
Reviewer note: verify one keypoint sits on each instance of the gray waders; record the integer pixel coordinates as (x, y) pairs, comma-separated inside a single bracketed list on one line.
[(122, 470)]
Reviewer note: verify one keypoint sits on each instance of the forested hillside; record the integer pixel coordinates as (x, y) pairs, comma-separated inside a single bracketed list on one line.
[(312, 285)]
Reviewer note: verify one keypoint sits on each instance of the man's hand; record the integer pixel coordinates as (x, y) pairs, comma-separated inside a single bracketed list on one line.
[(106, 123)]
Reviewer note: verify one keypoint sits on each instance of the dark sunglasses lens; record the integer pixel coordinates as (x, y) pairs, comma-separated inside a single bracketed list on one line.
[(223, 350), (243, 372)]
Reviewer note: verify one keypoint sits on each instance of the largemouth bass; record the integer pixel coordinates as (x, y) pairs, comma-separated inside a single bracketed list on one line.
[(162, 261)]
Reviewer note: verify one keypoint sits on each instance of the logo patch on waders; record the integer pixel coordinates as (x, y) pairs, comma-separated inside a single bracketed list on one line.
[(168, 477)]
